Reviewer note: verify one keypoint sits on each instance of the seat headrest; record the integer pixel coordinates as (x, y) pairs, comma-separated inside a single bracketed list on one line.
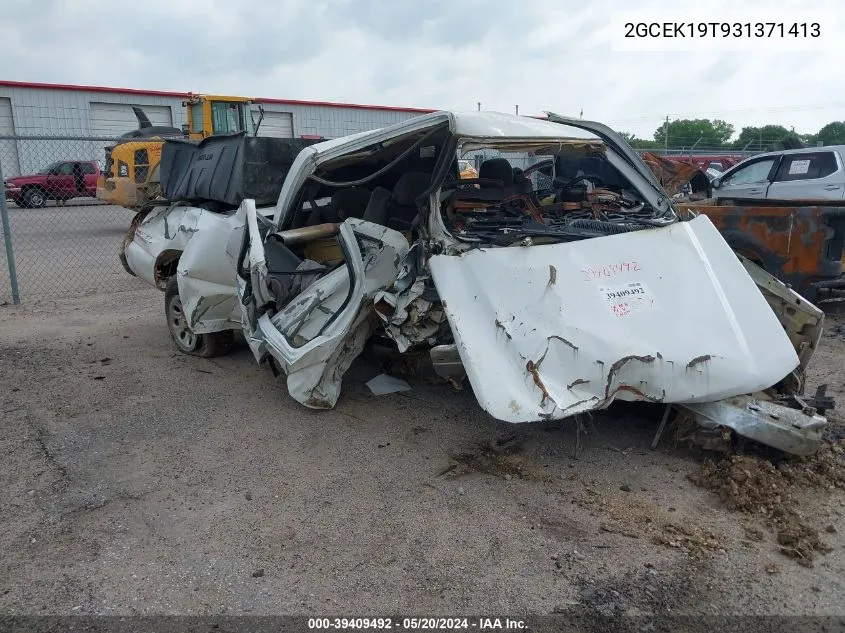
[(497, 169), (519, 176), (350, 202), (409, 187)]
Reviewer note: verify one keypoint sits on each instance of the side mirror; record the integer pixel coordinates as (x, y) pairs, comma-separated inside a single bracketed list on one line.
[(717, 182)]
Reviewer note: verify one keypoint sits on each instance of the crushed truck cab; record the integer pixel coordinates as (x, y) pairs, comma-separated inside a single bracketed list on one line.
[(558, 281)]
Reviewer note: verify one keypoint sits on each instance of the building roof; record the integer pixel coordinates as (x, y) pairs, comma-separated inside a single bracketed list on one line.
[(183, 95)]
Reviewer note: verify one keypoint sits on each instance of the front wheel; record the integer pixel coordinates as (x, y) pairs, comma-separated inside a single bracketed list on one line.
[(34, 199), (186, 341)]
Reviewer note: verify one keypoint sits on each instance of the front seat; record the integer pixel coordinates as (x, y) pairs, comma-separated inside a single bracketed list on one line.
[(402, 209), (496, 169), (376, 210), (350, 202), (281, 264), (521, 182)]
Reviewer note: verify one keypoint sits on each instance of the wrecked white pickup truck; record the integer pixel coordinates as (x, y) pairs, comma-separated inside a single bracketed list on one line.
[(559, 280)]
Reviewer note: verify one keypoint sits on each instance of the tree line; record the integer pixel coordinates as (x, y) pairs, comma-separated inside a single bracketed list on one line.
[(718, 134)]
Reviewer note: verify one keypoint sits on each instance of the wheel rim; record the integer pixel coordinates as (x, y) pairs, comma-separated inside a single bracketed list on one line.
[(184, 338), (36, 199)]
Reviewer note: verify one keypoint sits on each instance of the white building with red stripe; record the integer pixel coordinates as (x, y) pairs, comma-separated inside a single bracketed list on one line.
[(60, 110)]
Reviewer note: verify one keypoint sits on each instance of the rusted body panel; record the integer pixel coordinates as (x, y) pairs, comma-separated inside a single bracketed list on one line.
[(675, 174), (801, 244)]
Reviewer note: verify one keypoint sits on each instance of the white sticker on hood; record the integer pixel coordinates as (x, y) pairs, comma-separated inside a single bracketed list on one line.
[(625, 299)]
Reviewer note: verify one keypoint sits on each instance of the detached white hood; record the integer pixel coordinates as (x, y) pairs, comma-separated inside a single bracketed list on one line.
[(667, 315)]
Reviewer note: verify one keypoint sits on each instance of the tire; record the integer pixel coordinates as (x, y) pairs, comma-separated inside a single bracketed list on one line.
[(34, 199), (204, 345)]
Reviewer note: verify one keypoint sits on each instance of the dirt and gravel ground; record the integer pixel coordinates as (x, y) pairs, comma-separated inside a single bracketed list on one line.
[(136, 480)]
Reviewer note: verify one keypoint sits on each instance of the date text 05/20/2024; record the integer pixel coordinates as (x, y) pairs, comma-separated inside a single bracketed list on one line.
[(418, 624)]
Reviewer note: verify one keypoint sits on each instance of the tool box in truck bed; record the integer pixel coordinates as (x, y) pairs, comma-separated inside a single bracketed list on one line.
[(228, 168)]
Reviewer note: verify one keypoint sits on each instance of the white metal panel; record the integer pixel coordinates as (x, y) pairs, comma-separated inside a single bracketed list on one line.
[(114, 119), (46, 111), (8, 149), (336, 121), (668, 315), (276, 124), (501, 125)]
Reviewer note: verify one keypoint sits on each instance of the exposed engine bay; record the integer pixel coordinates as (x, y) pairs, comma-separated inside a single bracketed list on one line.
[(576, 194)]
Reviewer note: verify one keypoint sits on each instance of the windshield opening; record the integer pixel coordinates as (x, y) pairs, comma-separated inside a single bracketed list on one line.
[(542, 192), (229, 118), (49, 168)]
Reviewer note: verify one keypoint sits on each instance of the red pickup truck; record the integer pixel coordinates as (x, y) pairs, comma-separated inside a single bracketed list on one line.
[(60, 181)]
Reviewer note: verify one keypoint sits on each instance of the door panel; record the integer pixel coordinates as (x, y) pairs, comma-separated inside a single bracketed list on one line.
[(750, 180), (61, 184), (322, 329), (809, 176), (90, 174)]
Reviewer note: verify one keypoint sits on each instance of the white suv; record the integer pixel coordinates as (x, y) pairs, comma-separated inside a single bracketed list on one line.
[(812, 173)]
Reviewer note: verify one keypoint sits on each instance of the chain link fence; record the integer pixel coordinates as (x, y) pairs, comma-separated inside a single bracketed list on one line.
[(59, 238)]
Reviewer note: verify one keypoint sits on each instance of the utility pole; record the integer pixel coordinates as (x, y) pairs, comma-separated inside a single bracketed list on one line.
[(694, 145), (666, 135), (516, 109)]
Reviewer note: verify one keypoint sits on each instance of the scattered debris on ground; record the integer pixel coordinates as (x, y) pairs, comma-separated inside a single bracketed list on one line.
[(756, 486), (693, 541), (384, 384), (505, 466), (634, 518), (499, 457), (636, 592)]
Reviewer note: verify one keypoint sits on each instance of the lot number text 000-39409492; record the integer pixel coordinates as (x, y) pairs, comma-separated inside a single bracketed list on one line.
[(418, 623)]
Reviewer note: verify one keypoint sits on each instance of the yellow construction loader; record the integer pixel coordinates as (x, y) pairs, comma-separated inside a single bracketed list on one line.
[(131, 175)]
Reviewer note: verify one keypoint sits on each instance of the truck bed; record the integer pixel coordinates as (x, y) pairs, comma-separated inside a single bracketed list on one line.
[(801, 242)]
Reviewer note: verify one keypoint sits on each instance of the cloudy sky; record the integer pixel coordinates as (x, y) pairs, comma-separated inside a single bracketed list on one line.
[(541, 54)]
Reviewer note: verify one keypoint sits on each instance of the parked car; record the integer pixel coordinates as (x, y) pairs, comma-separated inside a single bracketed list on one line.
[(552, 302), (59, 181), (811, 173)]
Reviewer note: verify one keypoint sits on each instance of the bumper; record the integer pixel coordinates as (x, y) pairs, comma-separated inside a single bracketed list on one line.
[(790, 430), (138, 262), (786, 429), (13, 194)]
